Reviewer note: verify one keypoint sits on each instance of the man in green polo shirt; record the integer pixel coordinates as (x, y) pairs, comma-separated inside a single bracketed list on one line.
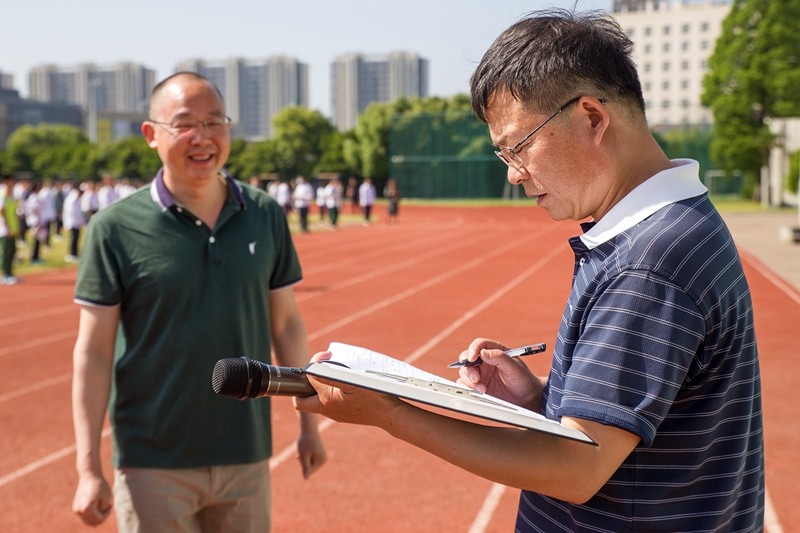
[(191, 269)]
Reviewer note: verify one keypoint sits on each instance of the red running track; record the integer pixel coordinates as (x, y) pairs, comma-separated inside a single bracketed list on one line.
[(419, 291)]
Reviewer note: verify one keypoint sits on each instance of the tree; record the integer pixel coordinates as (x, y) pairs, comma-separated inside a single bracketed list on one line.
[(131, 157), (754, 73), (371, 139), (256, 159), (48, 151), (299, 139), (234, 164)]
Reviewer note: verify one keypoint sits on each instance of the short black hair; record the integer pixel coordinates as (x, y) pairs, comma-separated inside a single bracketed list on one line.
[(550, 56)]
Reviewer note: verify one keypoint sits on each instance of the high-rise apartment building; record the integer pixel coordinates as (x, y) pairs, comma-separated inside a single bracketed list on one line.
[(255, 90), (123, 87), (358, 80), (6, 80), (673, 41)]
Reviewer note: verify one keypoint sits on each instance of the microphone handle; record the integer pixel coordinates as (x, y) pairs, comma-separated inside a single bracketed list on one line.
[(284, 381)]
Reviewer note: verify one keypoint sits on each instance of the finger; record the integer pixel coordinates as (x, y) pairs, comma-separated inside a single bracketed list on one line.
[(321, 356), (95, 514), (309, 404)]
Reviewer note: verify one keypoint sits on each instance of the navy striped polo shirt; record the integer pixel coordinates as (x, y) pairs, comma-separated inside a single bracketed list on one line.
[(657, 338)]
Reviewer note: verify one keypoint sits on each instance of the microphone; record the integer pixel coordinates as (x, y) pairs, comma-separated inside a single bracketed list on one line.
[(243, 378)]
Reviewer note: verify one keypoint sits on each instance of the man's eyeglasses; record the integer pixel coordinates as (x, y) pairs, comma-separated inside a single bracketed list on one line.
[(510, 155), (182, 126)]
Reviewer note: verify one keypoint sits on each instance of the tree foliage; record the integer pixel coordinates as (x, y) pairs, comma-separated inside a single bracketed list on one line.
[(304, 142), (131, 157), (49, 151), (299, 139), (754, 73)]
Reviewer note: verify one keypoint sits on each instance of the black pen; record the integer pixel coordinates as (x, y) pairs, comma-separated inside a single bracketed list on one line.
[(513, 352)]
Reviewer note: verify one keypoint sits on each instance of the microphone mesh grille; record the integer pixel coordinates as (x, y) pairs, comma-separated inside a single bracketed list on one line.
[(230, 377)]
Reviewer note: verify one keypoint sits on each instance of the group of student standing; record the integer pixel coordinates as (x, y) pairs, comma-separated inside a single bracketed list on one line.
[(39, 211), (329, 197)]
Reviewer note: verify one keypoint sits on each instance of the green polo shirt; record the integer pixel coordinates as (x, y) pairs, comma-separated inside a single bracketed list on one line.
[(189, 296)]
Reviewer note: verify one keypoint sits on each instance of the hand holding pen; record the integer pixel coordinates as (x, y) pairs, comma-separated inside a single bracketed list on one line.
[(514, 352)]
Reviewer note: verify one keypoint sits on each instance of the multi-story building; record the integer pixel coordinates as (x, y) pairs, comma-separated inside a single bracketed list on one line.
[(255, 90), (121, 88), (358, 80), (6, 80), (16, 111), (673, 41)]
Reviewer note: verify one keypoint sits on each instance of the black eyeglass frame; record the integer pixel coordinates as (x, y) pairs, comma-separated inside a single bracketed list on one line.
[(514, 160)]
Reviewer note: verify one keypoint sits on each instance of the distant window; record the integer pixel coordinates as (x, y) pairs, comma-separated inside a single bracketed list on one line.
[(647, 48), (665, 104), (704, 45), (685, 28), (685, 45), (665, 66), (666, 30), (704, 27), (684, 65), (666, 47), (665, 85), (648, 30), (684, 84), (647, 67)]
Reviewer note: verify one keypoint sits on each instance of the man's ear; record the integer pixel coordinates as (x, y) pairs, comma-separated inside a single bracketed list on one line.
[(599, 118), (149, 134)]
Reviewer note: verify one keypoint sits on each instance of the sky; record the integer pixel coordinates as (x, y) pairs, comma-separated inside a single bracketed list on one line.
[(451, 34)]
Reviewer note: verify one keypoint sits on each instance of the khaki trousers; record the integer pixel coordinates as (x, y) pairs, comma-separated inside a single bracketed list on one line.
[(233, 498)]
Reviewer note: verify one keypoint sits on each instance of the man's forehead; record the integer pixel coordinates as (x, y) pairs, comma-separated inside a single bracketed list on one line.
[(504, 115), (181, 93)]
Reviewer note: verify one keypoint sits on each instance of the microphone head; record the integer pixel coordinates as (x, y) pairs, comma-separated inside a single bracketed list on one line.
[(235, 377)]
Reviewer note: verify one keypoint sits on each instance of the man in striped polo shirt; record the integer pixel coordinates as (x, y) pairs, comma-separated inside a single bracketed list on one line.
[(655, 357)]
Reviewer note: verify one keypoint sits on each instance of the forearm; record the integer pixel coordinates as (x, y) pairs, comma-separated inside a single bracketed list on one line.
[(291, 349), (90, 392), (290, 346), (92, 360), (529, 460)]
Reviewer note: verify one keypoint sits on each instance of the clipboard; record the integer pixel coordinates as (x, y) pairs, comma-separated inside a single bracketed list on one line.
[(367, 369)]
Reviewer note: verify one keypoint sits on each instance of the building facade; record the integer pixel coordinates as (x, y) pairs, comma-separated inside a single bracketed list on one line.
[(672, 43), (121, 88), (6, 80), (255, 90), (358, 80), (16, 111)]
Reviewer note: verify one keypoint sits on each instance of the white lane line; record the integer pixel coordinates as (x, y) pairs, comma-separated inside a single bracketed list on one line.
[(487, 510), (771, 522), (44, 461), (35, 387)]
